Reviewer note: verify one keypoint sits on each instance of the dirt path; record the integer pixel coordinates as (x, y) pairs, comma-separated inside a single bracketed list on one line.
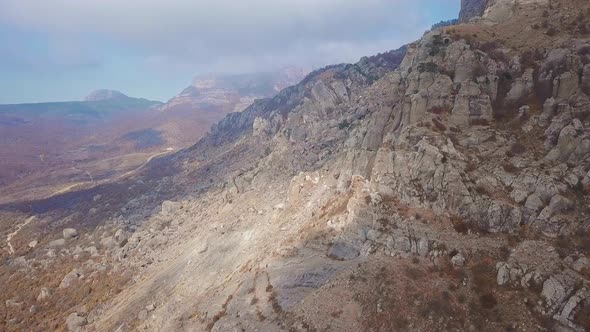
[(92, 182), (169, 150), (11, 235)]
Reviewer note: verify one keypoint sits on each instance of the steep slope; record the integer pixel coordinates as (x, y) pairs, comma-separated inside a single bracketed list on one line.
[(443, 186)]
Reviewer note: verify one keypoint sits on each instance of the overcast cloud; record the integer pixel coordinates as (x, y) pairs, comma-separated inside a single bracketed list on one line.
[(111, 39)]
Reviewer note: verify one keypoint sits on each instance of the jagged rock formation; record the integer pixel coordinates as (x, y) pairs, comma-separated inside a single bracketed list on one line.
[(442, 186), (471, 9)]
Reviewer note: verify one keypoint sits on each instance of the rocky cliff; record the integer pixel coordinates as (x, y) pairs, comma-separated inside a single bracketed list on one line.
[(442, 186), (471, 9)]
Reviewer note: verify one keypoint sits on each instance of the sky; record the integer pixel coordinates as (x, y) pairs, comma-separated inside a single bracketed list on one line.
[(62, 49)]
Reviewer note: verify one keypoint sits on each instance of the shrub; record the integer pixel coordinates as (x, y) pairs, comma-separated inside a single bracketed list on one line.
[(439, 110), (582, 317), (439, 126), (430, 67), (459, 225), (529, 58), (483, 276), (552, 31), (517, 148), (488, 301), (343, 124), (479, 122), (510, 168)]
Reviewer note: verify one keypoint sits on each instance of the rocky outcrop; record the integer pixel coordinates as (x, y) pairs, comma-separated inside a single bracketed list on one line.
[(471, 9)]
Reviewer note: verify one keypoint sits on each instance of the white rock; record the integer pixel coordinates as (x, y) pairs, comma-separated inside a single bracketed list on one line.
[(70, 233), (74, 322), (458, 260)]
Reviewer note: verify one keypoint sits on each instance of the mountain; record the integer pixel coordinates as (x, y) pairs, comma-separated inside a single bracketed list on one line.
[(233, 93), (104, 94), (443, 186), (51, 147)]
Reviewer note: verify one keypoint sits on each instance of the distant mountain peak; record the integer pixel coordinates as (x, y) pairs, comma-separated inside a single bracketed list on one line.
[(104, 94)]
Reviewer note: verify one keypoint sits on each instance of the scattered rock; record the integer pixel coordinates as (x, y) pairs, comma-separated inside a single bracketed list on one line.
[(70, 278), (12, 303), (44, 294)]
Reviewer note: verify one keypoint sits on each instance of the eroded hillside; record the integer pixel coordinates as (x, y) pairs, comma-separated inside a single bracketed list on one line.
[(440, 187)]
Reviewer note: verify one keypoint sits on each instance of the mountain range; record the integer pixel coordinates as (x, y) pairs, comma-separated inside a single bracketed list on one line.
[(441, 186), (48, 147)]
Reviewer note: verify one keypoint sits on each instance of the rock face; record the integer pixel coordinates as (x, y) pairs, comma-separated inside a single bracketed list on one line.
[(367, 197), (471, 9)]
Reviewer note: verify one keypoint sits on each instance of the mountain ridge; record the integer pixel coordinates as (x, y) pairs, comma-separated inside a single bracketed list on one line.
[(443, 186)]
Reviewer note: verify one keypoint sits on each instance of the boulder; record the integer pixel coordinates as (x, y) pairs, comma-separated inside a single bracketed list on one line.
[(560, 204), (75, 321), (92, 251), (33, 244), (343, 252), (582, 264), (56, 243), (534, 203), (458, 260), (169, 207), (70, 278), (503, 275), (556, 290), (70, 233), (12, 303), (108, 242), (566, 316), (44, 294), (120, 236)]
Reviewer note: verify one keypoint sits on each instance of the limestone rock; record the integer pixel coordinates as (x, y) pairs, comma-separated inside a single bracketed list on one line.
[(75, 321), (503, 275), (556, 290), (70, 278), (458, 260), (70, 233), (44, 294), (343, 252), (56, 243)]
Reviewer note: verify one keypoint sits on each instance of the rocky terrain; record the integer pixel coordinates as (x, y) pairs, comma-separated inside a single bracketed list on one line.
[(443, 186)]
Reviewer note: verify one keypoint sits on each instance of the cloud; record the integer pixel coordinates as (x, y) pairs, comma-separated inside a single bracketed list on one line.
[(234, 35)]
